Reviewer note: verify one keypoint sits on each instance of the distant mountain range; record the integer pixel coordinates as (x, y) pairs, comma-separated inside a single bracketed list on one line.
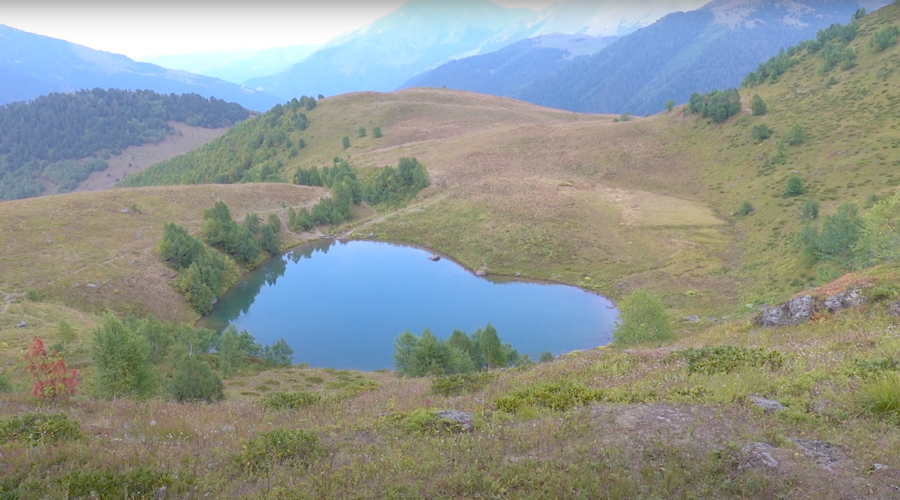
[(713, 47), (236, 66), (32, 65), (504, 71), (423, 34)]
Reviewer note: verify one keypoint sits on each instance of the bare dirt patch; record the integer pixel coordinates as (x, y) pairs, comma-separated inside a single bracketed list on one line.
[(137, 158)]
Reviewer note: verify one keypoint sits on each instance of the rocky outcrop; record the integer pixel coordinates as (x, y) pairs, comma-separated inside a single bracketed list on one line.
[(756, 455), (844, 300), (768, 405), (792, 312), (801, 309)]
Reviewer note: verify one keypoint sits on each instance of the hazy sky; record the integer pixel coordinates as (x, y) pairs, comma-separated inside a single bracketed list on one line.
[(163, 27)]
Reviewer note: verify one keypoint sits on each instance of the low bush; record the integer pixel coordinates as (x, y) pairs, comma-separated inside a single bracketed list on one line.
[(883, 292), (290, 400), (111, 483), (561, 395), (452, 385), (39, 428), (881, 398), (865, 368), (195, 381), (424, 421), (744, 210), (725, 359), (642, 318), (279, 447)]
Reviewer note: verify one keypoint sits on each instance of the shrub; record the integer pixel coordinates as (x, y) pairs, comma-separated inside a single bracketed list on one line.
[(425, 421), (277, 447), (758, 106), (725, 359), (51, 379), (345, 141), (881, 398), (626, 116), (883, 292), (122, 361), (111, 483), (290, 400), (39, 428), (879, 241), (838, 241), (794, 187), (745, 209), (871, 367), (452, 385), (811, 210), (195, 381), (670, 104), (362, 132), (795, 136), (65, 333), (32, 295), (546, 357), (761, 132), (376, 132), (642, 318), (884, 38), (560, 395)]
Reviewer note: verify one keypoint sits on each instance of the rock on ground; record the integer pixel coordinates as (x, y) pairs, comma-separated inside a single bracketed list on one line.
[(768, 405), (757, 454), (792, 312), (844, 300), (462, 418)]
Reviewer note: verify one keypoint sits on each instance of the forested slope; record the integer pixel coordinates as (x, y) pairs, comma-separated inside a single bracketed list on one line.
[(43, 140)]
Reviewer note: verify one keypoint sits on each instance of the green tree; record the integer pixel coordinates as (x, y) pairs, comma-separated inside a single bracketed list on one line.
[(838, 241), (195, 381), (884, 38), (670, 104), (879, 238), (745, 209), (491, 347), (758, 106), (362, 132), (376, 132), (279, 353), (252, 223), (122, 363), (794, 187), (269, 241), (811, 210), (404, 347), (275, 223), (65, 333), (642, 318), (795, 136), (177, 247), (345, 141), (761, 132)]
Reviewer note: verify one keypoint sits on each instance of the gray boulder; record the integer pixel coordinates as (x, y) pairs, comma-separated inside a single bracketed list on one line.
[(844, 300), (757, 454), (768, 405), (462, 419), (894, 309), (792, 312)]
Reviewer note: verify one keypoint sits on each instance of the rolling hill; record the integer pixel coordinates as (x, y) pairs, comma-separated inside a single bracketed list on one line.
[(33, 65)]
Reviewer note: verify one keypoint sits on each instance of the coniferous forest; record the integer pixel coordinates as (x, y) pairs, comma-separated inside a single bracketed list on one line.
[(43, 138)]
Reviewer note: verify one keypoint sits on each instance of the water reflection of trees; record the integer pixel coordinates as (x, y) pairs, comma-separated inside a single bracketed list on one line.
[(239, 299)]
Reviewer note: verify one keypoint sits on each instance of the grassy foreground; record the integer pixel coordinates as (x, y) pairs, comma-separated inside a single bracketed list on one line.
[(658, 427)]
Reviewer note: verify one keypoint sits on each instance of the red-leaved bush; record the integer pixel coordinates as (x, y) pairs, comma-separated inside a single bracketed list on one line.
[(52, 380)]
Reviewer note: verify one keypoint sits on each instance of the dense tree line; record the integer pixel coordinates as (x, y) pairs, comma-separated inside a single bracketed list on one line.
[(718, 105), (246, 153), (247, 243), (382, 186), (461, 353), (203, 273), (830, 43), (41, 139)]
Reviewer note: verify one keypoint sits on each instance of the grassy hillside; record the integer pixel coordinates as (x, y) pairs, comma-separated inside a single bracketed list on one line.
[(98, 250)]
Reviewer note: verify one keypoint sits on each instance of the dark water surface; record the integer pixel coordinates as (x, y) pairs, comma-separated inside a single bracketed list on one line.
[(341, 305)]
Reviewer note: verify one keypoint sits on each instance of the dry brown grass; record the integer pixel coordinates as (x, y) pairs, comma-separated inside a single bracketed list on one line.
[(93, 251)]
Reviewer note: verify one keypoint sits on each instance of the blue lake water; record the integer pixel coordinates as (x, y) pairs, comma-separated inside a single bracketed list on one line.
[(342, 304)]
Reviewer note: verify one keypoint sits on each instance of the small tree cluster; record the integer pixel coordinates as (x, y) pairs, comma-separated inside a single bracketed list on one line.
[(394, 186), (795, 135), (376, 132), (838, 240), (51, 379), (245, 242), (717, 105), (199, 269), (761, 132), (794, 187), (461, 353)]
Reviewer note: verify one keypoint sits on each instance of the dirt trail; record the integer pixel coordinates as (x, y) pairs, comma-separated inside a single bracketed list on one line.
[(381, 218), (8, 299)]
